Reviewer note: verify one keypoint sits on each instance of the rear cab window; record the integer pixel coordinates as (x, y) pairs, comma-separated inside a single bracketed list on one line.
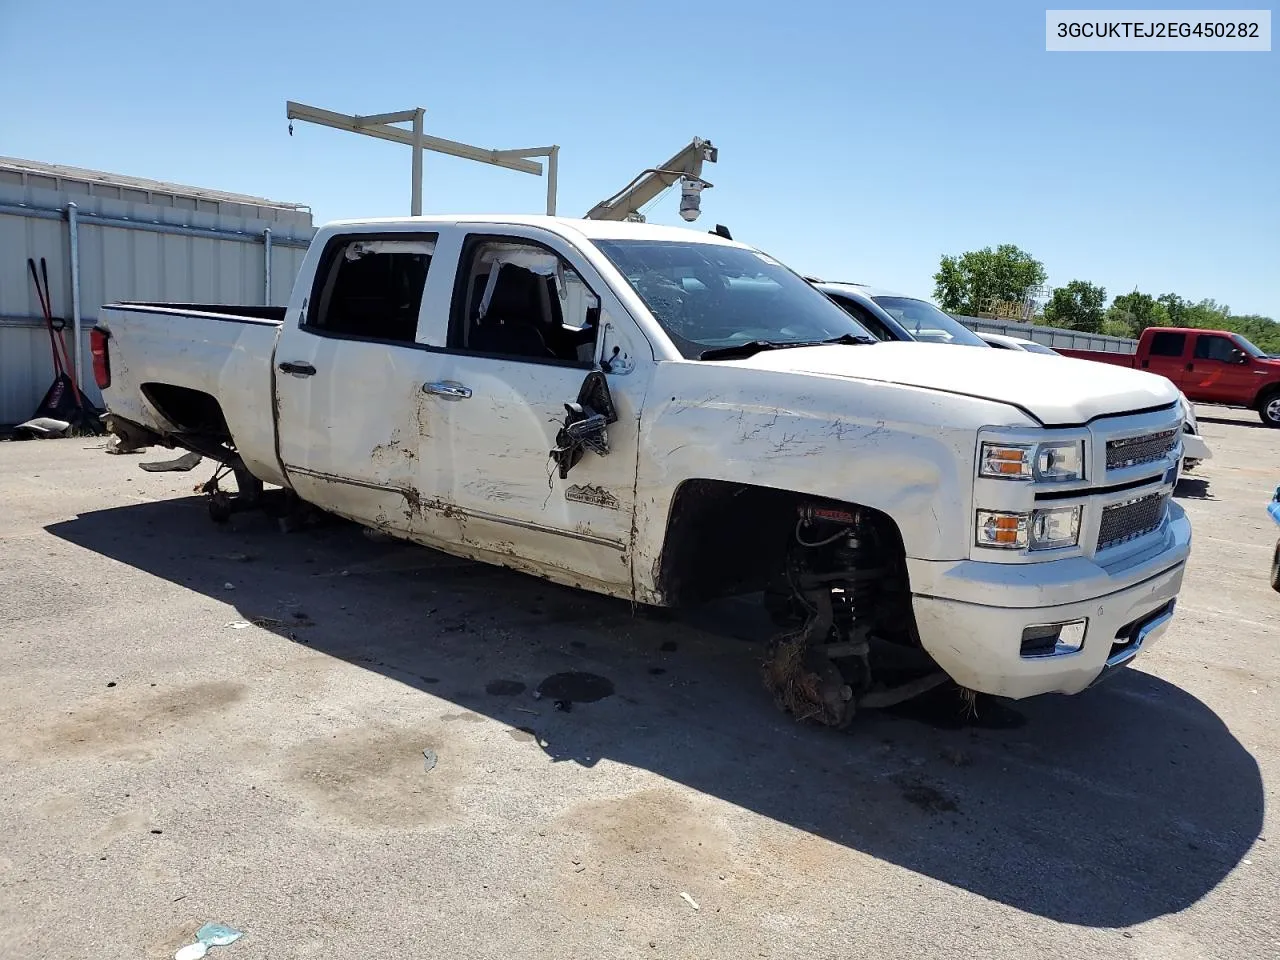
[(1168, 344), (370, 288)]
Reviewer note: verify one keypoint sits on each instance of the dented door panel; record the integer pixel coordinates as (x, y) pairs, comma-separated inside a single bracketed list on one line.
[(500, 486), (347, 433)]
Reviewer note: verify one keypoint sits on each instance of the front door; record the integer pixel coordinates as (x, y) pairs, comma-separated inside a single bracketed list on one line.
[(1215, 371), (523, 337)]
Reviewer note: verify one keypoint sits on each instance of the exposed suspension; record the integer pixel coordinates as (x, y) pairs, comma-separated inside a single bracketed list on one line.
[(843, 594)]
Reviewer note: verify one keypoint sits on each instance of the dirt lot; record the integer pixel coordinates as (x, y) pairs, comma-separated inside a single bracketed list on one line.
[(164, 764)]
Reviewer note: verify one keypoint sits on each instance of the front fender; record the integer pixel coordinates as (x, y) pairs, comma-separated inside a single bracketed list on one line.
[(901, 450)]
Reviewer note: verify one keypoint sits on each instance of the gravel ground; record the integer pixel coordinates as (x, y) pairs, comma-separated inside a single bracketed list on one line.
[(229, 723)]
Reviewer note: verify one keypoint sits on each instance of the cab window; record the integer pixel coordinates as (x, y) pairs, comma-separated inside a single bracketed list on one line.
[(517, 299), (370, 288), (1215, 348)]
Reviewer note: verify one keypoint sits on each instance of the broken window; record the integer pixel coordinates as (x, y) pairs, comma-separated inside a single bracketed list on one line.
[(372, 288), (518, 299)]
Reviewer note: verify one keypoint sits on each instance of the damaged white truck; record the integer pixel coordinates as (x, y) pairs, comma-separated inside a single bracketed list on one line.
[(668, 416)]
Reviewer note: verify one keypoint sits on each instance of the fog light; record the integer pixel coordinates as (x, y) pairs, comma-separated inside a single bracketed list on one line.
[(1053, 639)]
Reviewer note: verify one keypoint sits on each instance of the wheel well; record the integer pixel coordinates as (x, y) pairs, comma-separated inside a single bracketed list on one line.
[(189, 411), (731, 538)]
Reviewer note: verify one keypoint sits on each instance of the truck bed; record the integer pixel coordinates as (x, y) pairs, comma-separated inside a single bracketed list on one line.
[(1101, 356), (196, 369)]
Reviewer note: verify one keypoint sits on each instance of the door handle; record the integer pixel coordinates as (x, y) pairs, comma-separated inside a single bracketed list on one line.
[(447, 389), (297, 369)]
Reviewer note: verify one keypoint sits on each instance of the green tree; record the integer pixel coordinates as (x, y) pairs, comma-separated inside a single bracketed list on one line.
[(1174, 307), (1077, 306), (1131, 313), (968, 283)]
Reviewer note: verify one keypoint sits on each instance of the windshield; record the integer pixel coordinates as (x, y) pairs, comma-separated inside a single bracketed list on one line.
[(1246, 346), (708, 296), (926, 322), (1032, 347)]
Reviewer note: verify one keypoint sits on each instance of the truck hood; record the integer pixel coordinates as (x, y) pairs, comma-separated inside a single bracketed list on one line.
[(1057, 391)]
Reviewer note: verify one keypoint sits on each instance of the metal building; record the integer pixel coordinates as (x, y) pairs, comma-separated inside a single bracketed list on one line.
[(108, 237)]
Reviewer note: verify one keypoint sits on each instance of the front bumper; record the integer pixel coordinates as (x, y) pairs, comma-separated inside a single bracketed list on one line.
[(971, 615), (1194, 448)]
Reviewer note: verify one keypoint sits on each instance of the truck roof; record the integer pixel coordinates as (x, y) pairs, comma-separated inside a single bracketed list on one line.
[(862, 288), (1222, 333), (590, 229)]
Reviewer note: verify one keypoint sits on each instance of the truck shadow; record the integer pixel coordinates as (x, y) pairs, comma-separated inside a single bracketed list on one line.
[(1193, 488), (1126, 803)]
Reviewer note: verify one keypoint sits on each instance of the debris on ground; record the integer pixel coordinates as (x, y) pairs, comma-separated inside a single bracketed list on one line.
[(429, 759), (44, 428), (210, 935), (228, 585), (269, 623), (689, 900), (188, 461), (957, 757), (116, 446)]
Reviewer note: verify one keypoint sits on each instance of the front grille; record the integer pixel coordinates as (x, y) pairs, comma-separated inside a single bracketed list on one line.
[(1132, 451), (1131, 519)]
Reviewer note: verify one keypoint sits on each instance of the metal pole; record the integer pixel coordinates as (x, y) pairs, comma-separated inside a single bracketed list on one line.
[(74, 231), (553, 172), (266, 242), (415, 204)]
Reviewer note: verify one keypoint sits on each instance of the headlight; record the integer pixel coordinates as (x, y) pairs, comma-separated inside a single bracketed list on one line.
[(1047, 529), (1051, 462), (1054, 528), (1060, 461)]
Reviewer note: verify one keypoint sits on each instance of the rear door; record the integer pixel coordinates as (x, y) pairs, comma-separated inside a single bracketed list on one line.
[(1166, 356), (348, 373), (1216, 372)]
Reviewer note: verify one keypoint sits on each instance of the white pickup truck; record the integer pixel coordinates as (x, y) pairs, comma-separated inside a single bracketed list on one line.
[(668, 416)]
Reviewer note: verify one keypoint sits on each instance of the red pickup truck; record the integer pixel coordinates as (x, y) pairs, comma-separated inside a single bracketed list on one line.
[(1209, 366)]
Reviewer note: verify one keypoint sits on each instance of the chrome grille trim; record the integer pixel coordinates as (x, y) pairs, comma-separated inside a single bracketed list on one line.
[(1131, 519), (1146, 448)]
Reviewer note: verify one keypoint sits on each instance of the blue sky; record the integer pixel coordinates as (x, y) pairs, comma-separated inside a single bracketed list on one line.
[(857, 142)]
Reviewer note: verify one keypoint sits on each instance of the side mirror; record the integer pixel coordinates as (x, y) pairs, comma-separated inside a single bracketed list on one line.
[(1239, 356)]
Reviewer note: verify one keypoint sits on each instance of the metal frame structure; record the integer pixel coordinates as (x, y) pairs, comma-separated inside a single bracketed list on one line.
[(380, 125), (685, 166)]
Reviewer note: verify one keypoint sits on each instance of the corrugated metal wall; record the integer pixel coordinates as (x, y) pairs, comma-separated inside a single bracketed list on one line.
[(174, 251), (1052, 336)]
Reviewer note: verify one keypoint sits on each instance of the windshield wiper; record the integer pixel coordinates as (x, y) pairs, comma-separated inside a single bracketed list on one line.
[(752, 347), (739, 350), (849, 338)]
